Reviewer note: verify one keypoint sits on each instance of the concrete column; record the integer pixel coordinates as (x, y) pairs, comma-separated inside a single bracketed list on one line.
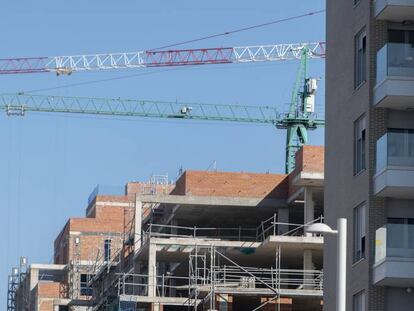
[(34, 278), (285, 304), (308, 265), (224, 302), (138, 226), (156, 307), (309, 207), (174, 231), (283, 216), (152, 270)]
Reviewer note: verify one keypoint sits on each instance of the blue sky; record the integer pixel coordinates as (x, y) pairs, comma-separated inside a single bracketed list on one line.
[(50, 163)]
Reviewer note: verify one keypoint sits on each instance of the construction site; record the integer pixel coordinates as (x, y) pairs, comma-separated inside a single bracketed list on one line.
[(209, 240)]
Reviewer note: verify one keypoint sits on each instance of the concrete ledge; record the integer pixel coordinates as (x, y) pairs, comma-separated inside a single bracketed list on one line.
[(172, 301), (303, 242), (212, 200), (203, 242), (309, 179), (41, 266), (397, 183), (394, 10), (395, 93), (394, 271)]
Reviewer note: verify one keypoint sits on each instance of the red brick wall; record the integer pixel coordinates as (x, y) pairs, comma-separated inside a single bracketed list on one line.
[(133, 188), (51, 290), (61, 246), (105, 222), (45, 305), (91, 247), (253, 185), (310, 159)]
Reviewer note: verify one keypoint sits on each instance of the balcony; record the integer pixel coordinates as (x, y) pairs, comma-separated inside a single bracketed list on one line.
[(394, 255), (395, 77), (395, 165), (394, 10)]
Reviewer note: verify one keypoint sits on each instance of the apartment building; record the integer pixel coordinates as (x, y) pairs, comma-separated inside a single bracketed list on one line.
[(212, 241), (370, 150)]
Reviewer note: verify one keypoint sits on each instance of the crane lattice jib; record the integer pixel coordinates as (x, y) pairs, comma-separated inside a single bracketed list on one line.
[(161, 58), (19, 104)]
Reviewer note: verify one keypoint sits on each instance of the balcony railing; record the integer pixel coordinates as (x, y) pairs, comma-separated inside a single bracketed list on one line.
[(395, 60), (394, 240), (105, 190), (395, 150), (269, 227)]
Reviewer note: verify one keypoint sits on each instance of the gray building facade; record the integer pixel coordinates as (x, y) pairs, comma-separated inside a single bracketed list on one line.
[(369, 161)]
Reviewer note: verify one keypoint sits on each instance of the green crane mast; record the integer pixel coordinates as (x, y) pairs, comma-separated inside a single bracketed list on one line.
[(301, 116)]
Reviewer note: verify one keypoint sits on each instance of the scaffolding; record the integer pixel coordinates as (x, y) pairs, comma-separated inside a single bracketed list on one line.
[(13, 284), (17, 295), (213, 273), (121, 285)]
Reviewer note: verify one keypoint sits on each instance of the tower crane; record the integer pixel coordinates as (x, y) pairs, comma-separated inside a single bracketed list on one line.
[(300, 118), (161, 58)]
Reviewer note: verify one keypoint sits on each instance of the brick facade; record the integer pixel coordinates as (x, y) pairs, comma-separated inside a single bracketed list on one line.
[(253, 185)]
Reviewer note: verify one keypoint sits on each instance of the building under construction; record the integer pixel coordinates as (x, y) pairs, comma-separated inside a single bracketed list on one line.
[(210, 241)]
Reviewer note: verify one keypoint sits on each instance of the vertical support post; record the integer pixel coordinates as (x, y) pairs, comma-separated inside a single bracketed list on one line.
[(152, 270), (163, 286), (123, 286), (307, 266), (341, 265), (309, 208), (138, 226), (212, 277), (174, 229), (283, 216)]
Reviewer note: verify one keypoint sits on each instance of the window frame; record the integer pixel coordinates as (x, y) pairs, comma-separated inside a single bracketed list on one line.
[(360, 144), (359, 301), (359, 233), (107, 249), (360, 58), (84, 288)]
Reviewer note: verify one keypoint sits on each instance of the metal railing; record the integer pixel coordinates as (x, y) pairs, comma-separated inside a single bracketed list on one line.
[(231, 277), (105, 190), (139, 285), (260, 233), (229, 233)]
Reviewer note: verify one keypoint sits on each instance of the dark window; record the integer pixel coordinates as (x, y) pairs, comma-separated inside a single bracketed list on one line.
[(360, 58), (359, 233), (401, 36), (85, 289), (63, 308), (359, 144), (107, 250)]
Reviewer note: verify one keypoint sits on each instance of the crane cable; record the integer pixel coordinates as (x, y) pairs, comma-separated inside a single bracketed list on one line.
[(182, 43), (239, 30)]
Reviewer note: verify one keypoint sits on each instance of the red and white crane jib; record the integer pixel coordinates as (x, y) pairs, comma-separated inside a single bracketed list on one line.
[(161, 58)]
